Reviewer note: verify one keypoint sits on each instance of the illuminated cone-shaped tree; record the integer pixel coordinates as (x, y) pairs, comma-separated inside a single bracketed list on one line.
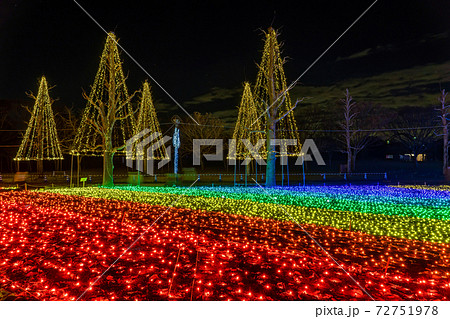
[(40, 141), (272, 97), (108, 120), (244, 130), (147, 119), (245, 133)]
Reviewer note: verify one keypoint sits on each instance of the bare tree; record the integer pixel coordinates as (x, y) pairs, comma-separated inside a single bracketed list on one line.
[(347, 125), (356, 135), (359, 127), (444, 116), (67, 122)]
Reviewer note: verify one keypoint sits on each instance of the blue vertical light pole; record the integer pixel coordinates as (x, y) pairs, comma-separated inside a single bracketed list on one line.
[(176, 120), (176, 145)]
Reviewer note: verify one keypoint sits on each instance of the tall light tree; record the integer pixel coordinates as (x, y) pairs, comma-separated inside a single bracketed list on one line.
[(40, 141), (444, 116), (108, 120), (147, 119), (272, 97), (244, 130)]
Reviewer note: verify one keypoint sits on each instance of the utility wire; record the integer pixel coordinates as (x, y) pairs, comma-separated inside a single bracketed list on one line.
[(340, 130), (326, 131)]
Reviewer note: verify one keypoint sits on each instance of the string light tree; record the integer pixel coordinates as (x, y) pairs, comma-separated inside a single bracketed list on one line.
[(245, 132), (108, 119), (40, 141), (272, 97), (147, 119)]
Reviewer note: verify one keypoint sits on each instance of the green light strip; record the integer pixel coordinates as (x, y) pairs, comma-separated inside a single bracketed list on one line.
[(377, 224)]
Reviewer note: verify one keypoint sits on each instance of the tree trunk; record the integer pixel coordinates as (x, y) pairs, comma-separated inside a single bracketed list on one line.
[(353, 162), (271, 122), (349, 162), (445, 147), (348, 115), (78, 169), (108, 167), (246, 173), (349, 150), (271, 159), (40, 166)]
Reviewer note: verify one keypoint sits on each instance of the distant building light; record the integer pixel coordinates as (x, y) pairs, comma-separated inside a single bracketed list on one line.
[(410, 157)]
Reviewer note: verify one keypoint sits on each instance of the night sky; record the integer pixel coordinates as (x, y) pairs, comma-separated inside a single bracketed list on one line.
[(201, 52)]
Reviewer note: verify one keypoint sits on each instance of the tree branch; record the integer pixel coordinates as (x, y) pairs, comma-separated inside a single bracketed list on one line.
[(126, 101), (100, 109), (31, 95), (95, 126), (118, 148), (290, 110)]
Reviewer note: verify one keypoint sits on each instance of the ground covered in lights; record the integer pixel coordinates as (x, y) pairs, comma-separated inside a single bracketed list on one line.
[(226, 243)]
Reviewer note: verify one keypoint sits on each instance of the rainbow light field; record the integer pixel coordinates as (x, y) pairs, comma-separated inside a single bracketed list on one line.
[(225, 243)]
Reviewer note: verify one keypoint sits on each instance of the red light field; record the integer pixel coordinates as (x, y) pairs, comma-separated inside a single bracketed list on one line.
[(53, 247)]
